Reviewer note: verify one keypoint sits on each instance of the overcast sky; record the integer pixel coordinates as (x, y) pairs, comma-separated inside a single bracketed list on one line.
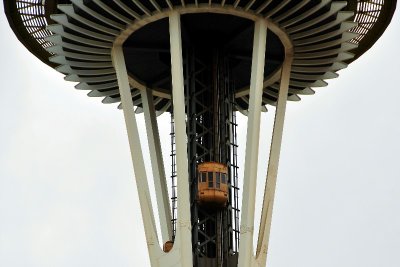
[(67, 191)]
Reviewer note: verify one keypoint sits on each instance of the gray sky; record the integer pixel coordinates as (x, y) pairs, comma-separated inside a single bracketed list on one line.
[(68, 198)]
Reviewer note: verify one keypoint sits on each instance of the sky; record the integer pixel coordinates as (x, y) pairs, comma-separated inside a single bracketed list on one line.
[(67, 189)]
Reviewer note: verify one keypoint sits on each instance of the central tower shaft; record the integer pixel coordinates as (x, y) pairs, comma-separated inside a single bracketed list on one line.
[(211, 138)]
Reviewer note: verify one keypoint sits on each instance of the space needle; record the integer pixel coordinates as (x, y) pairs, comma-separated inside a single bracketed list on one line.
[(202, 61)]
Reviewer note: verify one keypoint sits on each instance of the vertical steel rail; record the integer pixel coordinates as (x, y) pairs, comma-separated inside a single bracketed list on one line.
[(173, 177), (136, 153), (183, 232), (269, 192), (157, 163), (246, 257)]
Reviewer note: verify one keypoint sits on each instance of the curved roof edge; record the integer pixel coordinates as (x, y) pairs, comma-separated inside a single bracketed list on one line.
[(380, 26), (17, 25), (20, 31)]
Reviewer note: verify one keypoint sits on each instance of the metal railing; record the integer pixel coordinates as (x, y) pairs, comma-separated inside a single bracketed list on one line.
[(33, 17), (367, 15)]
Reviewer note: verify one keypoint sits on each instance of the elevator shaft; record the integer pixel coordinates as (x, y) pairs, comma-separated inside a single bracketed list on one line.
[(209, 107)]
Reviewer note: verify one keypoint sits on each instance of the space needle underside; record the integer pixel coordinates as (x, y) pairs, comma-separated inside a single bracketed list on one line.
[(95, 72), (201, 61)]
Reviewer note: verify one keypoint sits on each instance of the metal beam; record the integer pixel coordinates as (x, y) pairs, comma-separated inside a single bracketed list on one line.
[(136, 153), (246, 255), (157, 164), (269, 192), (183, 232)]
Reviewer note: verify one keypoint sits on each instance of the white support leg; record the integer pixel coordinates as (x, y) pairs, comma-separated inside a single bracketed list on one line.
[(183, 232), (269, 192), (157, 164), (136, 153), (246, 255)]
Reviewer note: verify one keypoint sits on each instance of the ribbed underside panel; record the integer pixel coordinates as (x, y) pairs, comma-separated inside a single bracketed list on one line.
[(83, 37), (85, 30)]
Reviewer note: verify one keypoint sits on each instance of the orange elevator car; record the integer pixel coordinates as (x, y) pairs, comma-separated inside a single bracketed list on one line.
[(212, 184)]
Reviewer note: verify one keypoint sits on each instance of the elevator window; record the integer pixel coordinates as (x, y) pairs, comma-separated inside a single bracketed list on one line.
[(210, 180)]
